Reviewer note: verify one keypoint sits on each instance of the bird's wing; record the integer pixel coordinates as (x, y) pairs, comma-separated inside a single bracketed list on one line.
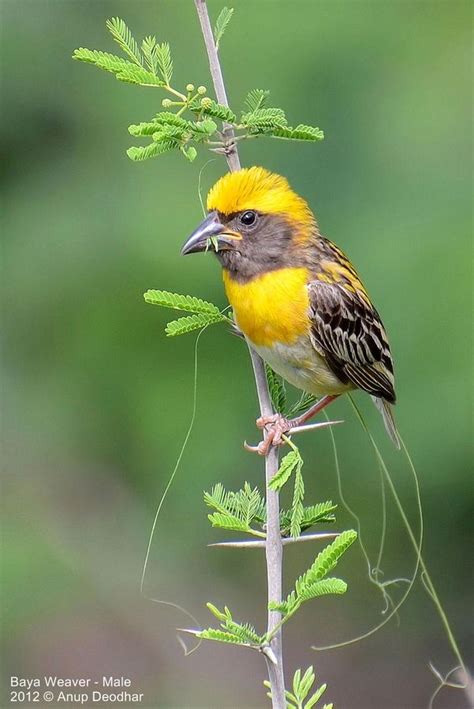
[(347, 330)]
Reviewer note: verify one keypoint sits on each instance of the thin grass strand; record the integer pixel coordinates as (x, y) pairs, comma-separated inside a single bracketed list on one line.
[(417, 544), (161, 502)]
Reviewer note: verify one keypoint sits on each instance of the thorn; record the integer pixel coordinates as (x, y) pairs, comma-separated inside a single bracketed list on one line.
[(190, 631), (250, 544), (263, 450), (267, 650), (312, 426)]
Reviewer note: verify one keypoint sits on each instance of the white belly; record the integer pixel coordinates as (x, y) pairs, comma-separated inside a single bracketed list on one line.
[(301, 365)]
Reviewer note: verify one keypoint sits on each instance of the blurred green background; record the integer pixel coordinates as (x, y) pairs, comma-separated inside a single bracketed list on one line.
[(98, 400)]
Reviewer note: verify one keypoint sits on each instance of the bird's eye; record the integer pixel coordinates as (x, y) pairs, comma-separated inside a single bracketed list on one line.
[(248, 218)]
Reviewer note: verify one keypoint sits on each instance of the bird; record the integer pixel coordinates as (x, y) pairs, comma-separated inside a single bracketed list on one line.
[(295, 296)]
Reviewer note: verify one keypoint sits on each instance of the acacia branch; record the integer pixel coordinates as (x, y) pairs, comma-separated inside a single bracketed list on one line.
[(230, 148), (273, 546)]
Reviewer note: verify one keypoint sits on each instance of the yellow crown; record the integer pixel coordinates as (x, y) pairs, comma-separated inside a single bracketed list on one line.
[(261, 190)]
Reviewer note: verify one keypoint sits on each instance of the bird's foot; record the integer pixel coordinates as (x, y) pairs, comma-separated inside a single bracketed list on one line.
[(275, 427)]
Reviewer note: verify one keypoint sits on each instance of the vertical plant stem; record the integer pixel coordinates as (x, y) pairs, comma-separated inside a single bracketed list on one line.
[(231, 154), (273, 547)]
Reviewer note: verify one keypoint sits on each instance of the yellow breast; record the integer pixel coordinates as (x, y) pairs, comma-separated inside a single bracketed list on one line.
[(272, 307)]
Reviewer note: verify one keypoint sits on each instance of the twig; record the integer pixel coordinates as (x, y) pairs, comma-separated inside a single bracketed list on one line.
[(231, 153), (273, 547)]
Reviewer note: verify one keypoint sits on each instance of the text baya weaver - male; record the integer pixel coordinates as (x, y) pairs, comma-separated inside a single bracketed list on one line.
[(295, 295)]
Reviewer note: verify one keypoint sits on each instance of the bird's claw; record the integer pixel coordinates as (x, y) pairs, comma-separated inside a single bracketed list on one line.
[(255, 449), (275, 426), (275, 420)]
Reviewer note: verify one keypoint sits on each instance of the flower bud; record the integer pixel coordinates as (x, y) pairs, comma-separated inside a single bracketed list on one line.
[(202, 90), (166, 103), (189, 88)]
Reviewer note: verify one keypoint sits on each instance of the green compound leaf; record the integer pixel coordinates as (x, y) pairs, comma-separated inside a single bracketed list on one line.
[(245, 504), (104, 60), (216, 110), (301, 132), (327, 558), (292, 462), (164, 61), (177, 301), (320, 512), (203, 130), (219, 499), (287, 465), (124, 39), (220, 615), (276, 388), (297, 510), (167, 118), (245, 632), (138, 75), (236, 510), (191, 322), (221, 636), (161, 119), (123, 69), (150, 151), (315, 697), (249, 503), (256, 99), (143, 129), (304, 683), (314, 514), (301, 686), (313, 583), (264, 120), (149, 52), (323, 588), (227, 521), (294, 599), (232, 632), (222, 21), (168, 132)]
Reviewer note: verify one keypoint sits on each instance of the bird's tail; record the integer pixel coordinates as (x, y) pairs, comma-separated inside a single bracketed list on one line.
[(387, 414)]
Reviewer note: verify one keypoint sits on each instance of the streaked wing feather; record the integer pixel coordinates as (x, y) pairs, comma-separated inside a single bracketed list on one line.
[(348, 331)]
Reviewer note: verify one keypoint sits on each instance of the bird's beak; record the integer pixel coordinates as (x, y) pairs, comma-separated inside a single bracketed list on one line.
[(210, 235)]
